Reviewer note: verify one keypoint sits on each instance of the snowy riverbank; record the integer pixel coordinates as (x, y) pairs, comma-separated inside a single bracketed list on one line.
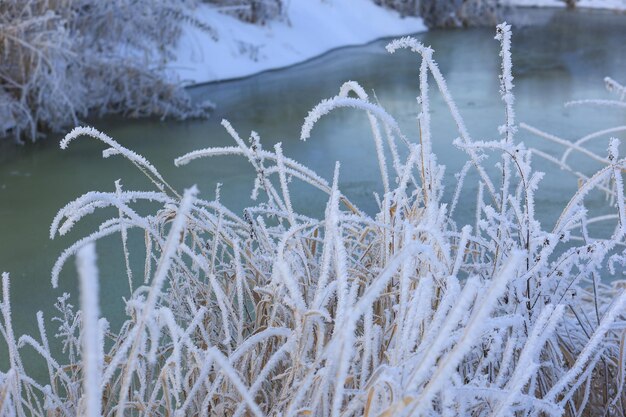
[(312, 28)]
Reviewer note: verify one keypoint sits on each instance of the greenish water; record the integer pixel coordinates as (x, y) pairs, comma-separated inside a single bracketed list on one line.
[(562, 56)]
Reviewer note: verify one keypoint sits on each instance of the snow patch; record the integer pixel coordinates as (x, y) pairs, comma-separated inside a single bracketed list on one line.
[(312, 28)]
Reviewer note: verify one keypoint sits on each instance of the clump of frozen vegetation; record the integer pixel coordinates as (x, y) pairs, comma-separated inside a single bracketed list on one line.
[(405, 7), (253, 11), (61, 59), (448, 13), (607, 183), (404, 313)]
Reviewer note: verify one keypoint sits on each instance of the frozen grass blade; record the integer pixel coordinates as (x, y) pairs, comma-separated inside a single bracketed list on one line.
[(88, 275)]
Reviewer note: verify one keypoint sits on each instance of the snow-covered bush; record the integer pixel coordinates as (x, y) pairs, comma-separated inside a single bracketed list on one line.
[(404, 313), (448, 13), (61, 59), (405, 7), (253, 11)]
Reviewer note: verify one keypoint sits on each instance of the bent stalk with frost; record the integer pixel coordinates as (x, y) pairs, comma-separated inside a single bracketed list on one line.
[(402, 313)]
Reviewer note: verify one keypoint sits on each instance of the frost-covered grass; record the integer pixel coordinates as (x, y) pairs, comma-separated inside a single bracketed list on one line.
[(404, 313), (253, 11)]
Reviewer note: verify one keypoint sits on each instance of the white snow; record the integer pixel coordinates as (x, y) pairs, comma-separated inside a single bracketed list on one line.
[(312, 28), (588, 4)]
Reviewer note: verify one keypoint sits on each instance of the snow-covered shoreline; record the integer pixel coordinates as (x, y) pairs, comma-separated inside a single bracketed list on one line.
[(312, 29)]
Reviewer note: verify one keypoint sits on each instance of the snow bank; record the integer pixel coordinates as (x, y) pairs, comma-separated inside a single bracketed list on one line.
[(589, 4), (312, 28)]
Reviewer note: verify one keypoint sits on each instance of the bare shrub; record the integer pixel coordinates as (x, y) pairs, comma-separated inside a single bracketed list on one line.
[(405, 7), (253, 11), (459, 13), (448, 13), (64, 58)]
